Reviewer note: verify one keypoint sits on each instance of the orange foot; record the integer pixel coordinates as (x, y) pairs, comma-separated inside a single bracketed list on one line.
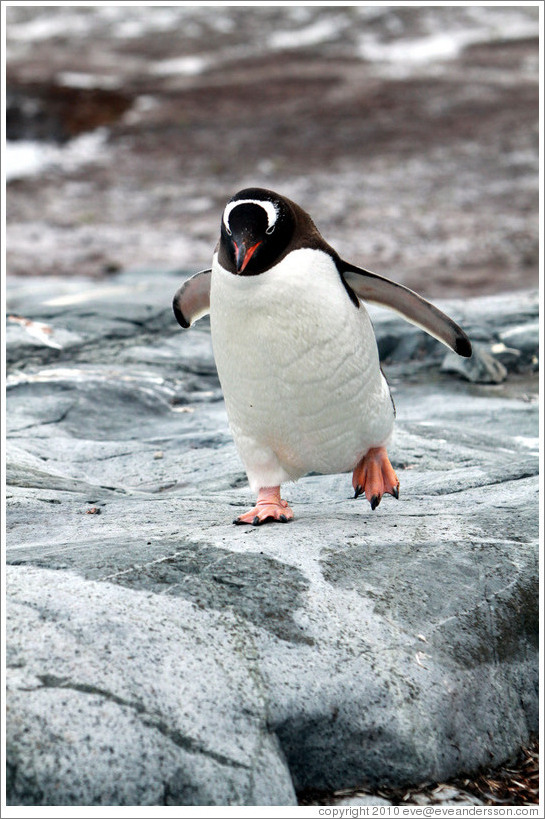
[(375, 476), (269, 506)]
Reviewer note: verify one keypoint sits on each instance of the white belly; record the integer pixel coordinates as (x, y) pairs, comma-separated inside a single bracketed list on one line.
[(299, 369)]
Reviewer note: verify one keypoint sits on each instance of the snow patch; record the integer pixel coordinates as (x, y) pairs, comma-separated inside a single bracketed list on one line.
[(78, 79), (319, 32), (530, 443), (188, 66), (440, 46), (46, 27), (27, 158)]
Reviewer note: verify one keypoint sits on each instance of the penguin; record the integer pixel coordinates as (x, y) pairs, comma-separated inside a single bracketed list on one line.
[(296, 353)]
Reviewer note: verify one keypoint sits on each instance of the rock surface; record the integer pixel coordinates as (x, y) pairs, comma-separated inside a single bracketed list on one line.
[(159, 655)]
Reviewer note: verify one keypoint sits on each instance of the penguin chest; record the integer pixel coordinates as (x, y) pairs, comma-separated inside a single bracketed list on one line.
[(297, 362)]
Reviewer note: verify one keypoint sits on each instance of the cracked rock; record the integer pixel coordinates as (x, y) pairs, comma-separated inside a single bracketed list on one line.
[(158, 655)]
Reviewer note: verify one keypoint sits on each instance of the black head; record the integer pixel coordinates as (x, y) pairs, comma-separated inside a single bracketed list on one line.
[(256, 227)]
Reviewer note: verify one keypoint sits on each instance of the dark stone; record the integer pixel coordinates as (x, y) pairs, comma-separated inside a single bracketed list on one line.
[(55, 113), (260, 589)]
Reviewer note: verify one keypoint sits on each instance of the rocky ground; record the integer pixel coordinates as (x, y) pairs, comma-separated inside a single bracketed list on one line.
[(196, 662), (156, 653), (410, 134)]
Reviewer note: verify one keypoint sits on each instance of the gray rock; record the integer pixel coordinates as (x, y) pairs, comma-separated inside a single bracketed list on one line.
[(362, 799), (133, 699), (481, 368), (159, 655), (525, 339)]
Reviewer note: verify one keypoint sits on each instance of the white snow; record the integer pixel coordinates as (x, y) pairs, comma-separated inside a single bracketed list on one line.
[(47, 26), (188, 66), (319, 32), (441, 45), (530, 443), (26, 158), (79, 79)]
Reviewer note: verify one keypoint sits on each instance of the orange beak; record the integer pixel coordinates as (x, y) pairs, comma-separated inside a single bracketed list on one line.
[(244, 254)]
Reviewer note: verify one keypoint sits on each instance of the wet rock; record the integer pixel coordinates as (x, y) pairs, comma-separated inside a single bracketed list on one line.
[(56, 113), (159, 655), (420, 158), (525, 339), (481, 368)]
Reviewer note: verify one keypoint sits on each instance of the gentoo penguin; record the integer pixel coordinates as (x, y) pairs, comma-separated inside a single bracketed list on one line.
[(296, 353)]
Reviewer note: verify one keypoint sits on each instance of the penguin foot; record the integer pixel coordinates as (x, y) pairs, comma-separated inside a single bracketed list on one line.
[(269, 507), (375, 476)]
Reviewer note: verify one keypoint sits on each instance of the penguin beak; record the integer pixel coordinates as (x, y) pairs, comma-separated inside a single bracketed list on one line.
[(243, 254)]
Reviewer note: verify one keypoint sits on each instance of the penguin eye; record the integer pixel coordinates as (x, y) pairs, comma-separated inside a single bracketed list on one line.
[(270, 230)]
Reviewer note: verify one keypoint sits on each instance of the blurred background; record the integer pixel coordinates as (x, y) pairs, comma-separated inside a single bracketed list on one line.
[(409, 133)]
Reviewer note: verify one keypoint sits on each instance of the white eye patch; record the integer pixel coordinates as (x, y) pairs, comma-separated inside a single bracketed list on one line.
[(268, 207)]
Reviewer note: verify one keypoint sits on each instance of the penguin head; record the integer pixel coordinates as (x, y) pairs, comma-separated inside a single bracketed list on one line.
[(256, 227)]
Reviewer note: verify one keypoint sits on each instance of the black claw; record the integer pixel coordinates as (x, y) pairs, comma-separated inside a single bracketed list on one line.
[(256, 521), (375, 500), (359, 490), (283, 518), (395, 492)]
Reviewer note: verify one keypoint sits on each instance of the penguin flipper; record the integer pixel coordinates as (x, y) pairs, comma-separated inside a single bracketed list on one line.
[(192, 301), (378, 290)]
